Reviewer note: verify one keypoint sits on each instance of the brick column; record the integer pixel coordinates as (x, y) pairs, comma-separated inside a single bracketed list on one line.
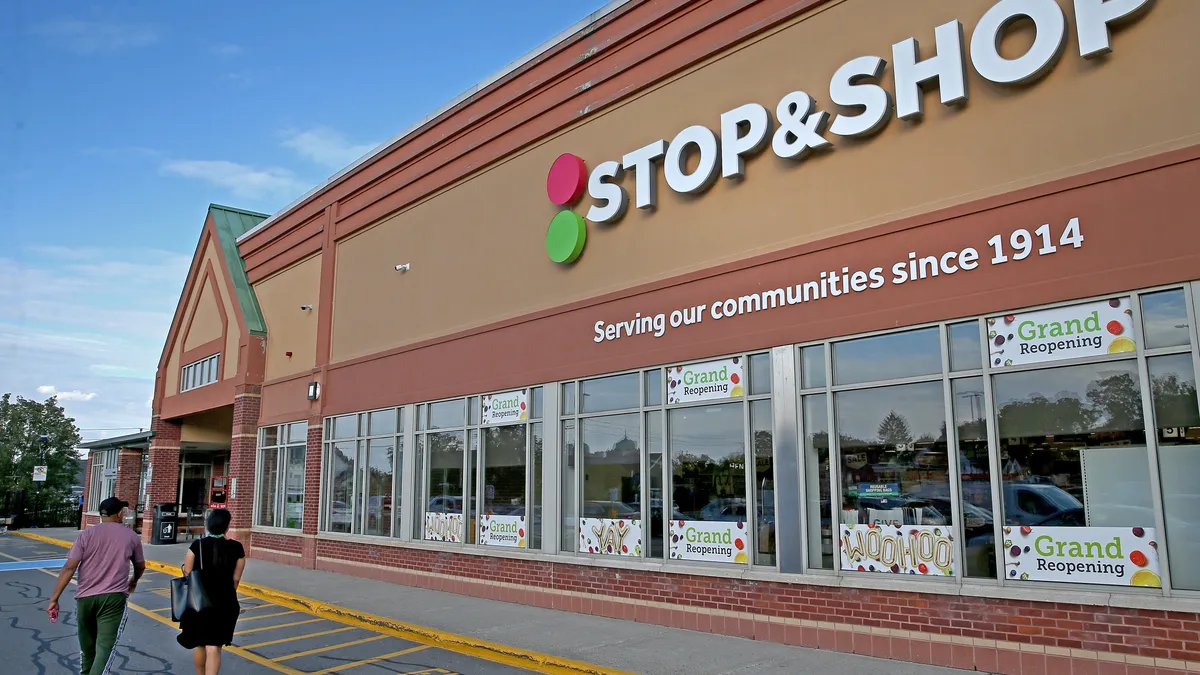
[(312, 495), (164, 469), (243, 450), (129, 475), (87, 480)]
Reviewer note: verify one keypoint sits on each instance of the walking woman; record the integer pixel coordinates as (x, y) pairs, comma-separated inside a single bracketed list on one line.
[(220, 562)]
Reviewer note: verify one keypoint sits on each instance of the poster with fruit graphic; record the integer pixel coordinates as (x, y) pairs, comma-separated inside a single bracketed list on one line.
[(506, 408), (710, 541), (443, 526), (907, 549), (610, 536), (710, 381), (1113, 556), (1089, 329), (502, 531)]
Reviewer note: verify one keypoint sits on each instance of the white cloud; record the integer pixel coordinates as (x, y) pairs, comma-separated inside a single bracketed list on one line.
[(226, 50), (241, 179), (73, 395), (326, 146), (92, 37)]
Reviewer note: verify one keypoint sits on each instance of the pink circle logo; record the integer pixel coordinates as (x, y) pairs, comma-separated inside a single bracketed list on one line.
[(567, 232)]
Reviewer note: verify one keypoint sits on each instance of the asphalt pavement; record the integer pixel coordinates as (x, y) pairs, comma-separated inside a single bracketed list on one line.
[(269, 638)]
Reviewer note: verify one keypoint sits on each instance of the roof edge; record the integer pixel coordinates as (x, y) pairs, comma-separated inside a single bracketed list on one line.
[(382, 148), (256, 214), (118, 441)]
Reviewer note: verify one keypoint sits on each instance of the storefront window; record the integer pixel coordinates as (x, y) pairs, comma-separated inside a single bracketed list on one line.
[(1075, 475), (444, 486), (975, 475), (656, 468), (280, 491), (762, 440), (1165, 319), (612, 473), (268, 485), (966, 353), (504, 476), (1177, 426), (364, 473), (812, 367), (535, 497), (816, 471), (620, 392), (569, 487), (708, 460), (887, 357)]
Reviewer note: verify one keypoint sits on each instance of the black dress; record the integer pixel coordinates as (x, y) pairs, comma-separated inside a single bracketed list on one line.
[(216, 558)]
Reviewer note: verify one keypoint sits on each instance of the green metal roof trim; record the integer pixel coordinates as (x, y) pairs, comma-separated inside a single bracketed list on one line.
[(232, 223)]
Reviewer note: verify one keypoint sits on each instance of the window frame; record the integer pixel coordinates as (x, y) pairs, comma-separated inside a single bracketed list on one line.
[(200, 373), (359, 510), (282, 446)]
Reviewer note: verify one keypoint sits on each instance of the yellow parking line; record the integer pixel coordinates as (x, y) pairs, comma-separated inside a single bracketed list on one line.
[(256, 645), (249, 656), (282, 625), (364, 662), (325, 649), (266, 616)]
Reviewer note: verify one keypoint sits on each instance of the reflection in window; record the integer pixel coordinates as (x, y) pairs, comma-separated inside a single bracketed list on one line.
[(816, 472), (472, 484), (760, 374), (612, 473), (1165, 319), (812, 367), (708, 460), (293, 515), (381, 457), (340, 515), (893, 445), (887, 357), (445, 485), (447, 414), (569, 502), (1177, 425), (619, 392), (504, 470), (1073, 448), (975, 475), (764, 480), (654, 387), (654, 453), (535, 539), (965, 350), (343, 427), (268, 486)]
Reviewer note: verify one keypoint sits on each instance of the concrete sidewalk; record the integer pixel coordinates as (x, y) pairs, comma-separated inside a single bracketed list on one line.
[(610, 643)]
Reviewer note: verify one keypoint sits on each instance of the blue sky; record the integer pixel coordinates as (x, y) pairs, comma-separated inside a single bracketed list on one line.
[(121, 121)]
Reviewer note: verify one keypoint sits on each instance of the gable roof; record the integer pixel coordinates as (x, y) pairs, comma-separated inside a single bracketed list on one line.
[(231, 223)]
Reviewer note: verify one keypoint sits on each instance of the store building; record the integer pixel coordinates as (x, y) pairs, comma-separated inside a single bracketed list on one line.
[(762, 320)]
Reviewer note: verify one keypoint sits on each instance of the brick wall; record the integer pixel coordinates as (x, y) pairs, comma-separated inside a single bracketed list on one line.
[(987, 629), (129, 474), (242, 457), (164, 469), (313, 458), (277, 542)]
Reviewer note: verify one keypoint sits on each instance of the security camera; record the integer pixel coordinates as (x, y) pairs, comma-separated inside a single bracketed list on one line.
[(305, 308), (402, 268)]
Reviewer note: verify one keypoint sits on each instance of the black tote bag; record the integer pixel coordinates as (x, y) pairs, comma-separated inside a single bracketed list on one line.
[(187, 592)]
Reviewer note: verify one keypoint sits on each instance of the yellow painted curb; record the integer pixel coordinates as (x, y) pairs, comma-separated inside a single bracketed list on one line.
[(490, 651)]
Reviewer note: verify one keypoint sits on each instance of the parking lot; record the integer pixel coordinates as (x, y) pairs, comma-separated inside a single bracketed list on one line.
[(270, 637)]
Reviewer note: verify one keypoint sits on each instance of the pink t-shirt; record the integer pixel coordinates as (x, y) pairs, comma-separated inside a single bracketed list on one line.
[(104, 552)]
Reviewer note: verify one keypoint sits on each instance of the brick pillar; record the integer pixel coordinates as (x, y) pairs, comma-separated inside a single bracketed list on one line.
[(243, 450), (164, 469), (312, 495), (129, 475), (87, 480)]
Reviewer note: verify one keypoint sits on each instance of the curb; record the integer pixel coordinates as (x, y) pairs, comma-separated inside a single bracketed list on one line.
[(490, 651)]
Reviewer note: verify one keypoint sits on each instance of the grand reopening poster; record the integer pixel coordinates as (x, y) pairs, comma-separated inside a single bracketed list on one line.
[(502, 531), (710, 541), (1113, 556), (1088, 329)]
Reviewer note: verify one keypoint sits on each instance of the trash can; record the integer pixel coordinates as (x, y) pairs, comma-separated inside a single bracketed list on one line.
[(164, 524)]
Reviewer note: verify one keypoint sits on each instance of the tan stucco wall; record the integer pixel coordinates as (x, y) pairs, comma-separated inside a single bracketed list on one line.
[(477, 250), (212, 426), (289, 329), (206, 322)]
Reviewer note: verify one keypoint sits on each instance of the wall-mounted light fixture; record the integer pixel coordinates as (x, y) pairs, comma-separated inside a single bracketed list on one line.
[(402, 268), (305, 308), (314, 391)]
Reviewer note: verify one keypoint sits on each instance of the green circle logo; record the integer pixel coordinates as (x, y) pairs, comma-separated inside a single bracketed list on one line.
[(567, 233), (565, 237)]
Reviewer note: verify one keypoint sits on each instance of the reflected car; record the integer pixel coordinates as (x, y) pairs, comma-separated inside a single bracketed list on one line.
[(610, 509)]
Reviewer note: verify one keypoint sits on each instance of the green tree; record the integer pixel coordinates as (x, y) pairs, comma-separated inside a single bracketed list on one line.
[(23, 424), (894, 429)]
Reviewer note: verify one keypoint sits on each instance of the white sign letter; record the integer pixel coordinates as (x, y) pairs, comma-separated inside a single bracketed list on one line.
[(735, 146), (610, 193), (675, 165), (642, 163), (947, 68), (1051, 29), (845, 90)]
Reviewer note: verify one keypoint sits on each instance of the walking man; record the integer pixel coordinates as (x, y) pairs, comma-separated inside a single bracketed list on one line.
[(102, 555)]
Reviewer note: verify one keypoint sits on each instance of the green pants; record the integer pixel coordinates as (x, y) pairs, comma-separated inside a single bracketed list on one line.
[(100, 619)]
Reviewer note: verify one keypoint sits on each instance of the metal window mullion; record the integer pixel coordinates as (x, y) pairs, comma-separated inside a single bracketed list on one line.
[(551, 476), (1150, 424), (955, 477), (749, 479), (993, 438), (646, 526), (879, 384), (835, 464), (406, 479)]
